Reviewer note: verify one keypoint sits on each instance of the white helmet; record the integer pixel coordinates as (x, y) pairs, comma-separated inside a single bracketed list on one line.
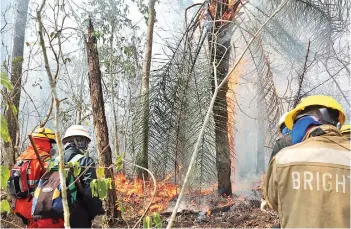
[(281, 121), (76, 130)]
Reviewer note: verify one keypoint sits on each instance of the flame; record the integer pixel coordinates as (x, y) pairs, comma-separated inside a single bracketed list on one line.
[(134, 194), (232, 82), (232, 6)]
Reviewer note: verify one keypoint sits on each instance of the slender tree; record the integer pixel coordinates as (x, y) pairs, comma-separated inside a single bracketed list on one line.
[(143, 160), (99, 118), (53, 81), (16, 77)]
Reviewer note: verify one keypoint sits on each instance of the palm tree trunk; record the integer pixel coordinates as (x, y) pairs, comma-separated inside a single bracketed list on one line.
[(220, 52)]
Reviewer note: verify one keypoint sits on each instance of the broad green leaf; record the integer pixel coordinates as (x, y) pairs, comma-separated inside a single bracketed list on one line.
[(100, 172), (4, 129), (119, 162), (99, 187), (157, 220), (4, 176), (5, 206), (147, 222), (76, 169), (102, 188), (5, 81)]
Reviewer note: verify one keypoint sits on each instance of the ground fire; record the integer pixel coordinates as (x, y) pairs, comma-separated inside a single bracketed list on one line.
[(134, 194), (199, 206)]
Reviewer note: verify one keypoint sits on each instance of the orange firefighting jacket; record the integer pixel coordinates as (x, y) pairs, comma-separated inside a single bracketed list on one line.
[(22, 207), (308, 184)]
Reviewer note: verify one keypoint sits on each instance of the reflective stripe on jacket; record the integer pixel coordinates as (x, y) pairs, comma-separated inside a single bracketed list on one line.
[(308, 184)]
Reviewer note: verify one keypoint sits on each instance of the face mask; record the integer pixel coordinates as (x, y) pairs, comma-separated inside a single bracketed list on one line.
[(81, 143), (301, 126)]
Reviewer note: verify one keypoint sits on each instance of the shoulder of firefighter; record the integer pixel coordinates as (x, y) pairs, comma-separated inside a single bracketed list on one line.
[(308, 184), (92, 204), (280, 144)]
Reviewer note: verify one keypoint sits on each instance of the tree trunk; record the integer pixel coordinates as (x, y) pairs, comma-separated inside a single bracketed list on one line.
[(99, 118), (16, 77), (220, 50), (143, 160)]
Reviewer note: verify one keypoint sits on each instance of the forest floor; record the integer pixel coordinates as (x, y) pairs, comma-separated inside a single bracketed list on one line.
[(198, 208), (239, 214), (211, 211)]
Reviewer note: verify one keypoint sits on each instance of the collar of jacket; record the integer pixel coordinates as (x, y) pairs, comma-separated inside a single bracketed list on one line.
[(327, 130)]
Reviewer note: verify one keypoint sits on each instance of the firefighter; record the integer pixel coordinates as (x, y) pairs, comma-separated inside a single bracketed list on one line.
[(76, 141), (284, 140), (308, 183), (345, 131), (26, 173)]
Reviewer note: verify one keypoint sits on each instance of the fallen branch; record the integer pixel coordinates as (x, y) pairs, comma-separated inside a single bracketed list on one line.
[(193, 157)]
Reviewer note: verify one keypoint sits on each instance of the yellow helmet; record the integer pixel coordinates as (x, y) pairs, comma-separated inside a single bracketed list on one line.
[(315, 100), (44, 133), (345, 129)]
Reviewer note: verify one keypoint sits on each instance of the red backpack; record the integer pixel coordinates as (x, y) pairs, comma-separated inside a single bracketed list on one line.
[(25, 175), (24, 178)]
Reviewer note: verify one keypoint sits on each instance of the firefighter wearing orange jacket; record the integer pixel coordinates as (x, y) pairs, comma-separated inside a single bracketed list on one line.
[(26, 173), (308, 183)]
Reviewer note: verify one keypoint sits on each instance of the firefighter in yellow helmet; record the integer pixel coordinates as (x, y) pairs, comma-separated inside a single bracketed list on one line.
[(345, 131), (308, 183), (26, 173)]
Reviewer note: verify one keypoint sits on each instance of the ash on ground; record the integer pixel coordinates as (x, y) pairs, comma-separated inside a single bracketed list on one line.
[(241, 210)]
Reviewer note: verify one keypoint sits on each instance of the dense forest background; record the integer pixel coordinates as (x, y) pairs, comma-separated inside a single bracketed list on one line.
[(264, 55)]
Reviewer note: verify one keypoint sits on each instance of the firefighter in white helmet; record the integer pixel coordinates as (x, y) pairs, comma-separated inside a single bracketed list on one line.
[(281, 143), (284, 140), (76, 141)]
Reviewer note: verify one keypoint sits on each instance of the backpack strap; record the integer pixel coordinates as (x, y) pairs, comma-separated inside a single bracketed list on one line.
[(76, 158)]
